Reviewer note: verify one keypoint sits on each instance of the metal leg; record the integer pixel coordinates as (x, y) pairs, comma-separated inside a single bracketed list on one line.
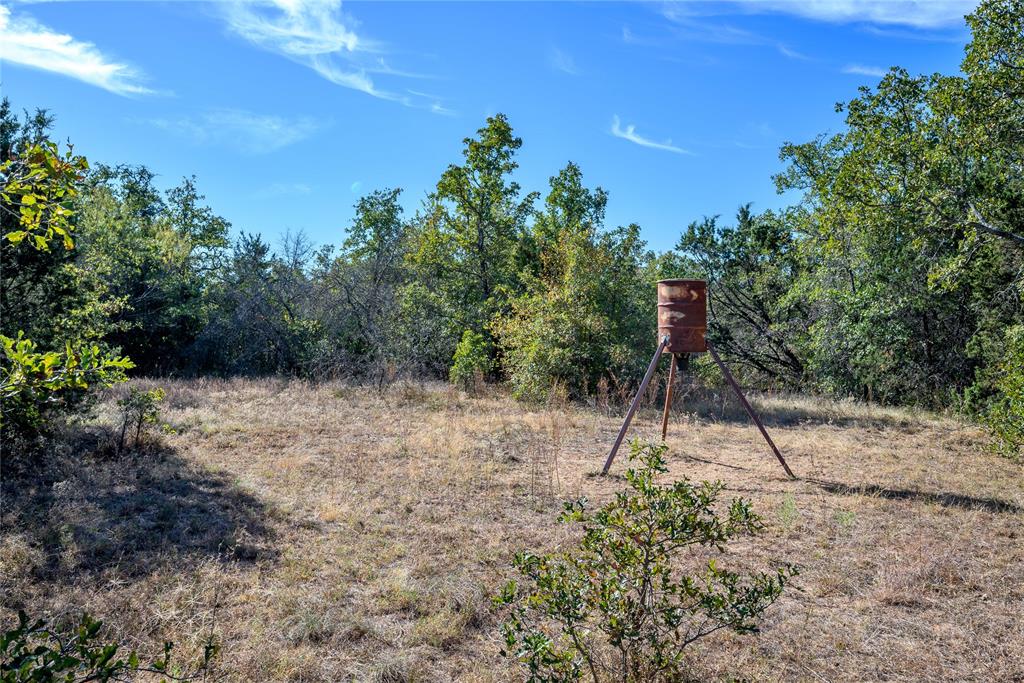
[(636, 404), (750, 411), (668, 397)]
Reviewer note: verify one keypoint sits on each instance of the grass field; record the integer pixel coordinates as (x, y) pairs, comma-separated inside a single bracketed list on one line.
[(335, 533)]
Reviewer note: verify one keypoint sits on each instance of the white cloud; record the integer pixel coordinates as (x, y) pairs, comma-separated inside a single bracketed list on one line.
[(915, 13), (786, 51), (25, 41), (562, 61), (629, 37), (688, 24), (316, 34), (629, 133), (285, 189), (862, 70), (245, 131)]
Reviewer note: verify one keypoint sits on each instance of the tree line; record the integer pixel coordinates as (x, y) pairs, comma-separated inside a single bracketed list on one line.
[(896, 278)]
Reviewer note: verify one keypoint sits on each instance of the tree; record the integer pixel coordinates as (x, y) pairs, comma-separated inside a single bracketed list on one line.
[(263, 322), (358, 289), (157, 253), (912, 224), (585, 313), (468, 246), (38, 386), (749, 269)]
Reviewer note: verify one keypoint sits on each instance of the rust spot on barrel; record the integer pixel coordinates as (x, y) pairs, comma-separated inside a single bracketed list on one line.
[(683, 314)]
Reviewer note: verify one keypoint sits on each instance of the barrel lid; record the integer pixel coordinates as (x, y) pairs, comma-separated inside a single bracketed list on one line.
[(682, 282)]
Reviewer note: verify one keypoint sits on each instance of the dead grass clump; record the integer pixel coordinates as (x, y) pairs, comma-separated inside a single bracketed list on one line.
[(921, 574)]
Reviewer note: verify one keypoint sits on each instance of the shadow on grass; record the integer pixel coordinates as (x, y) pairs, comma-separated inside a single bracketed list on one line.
[(134, 513), (945, 499), (720, 404)]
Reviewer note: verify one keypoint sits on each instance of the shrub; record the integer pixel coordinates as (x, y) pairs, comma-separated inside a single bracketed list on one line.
[(36, 387), (32, 652), (138, 410), (472, 360), (1005, 417), (618, 606)]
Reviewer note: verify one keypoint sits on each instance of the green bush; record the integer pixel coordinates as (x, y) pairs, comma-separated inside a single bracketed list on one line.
[(36, 387), (472, 361), (32, 652), (1005, 417), (619, 607), (138, 410)]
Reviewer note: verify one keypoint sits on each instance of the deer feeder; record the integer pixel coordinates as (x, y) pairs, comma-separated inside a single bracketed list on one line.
[(682, 328), (683, 315)]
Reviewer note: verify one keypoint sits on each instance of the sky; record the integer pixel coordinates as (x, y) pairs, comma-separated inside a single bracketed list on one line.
[(287, 111)]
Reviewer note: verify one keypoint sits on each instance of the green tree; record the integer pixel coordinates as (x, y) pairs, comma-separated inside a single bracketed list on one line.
[(750, 268), (39, 385), (158, 254), (912, 224), (264, 318), (586, 311), (468, 245), (358, 290), (472, 361)]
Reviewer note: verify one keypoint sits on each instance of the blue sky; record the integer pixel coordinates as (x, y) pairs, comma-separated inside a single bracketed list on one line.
[(288, 110)]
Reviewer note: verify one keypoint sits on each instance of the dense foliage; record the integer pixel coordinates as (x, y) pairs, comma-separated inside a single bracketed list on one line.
[(621, 605), (896, 278), (52, 373)]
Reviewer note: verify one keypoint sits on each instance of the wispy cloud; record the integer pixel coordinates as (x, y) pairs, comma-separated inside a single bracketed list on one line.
[(316, 34), (245, 131), (630, 37), (915, 13), (862, 70), (562, 61), (285, 189), (789, 52), (691, 24), (629, 133), (939, 36), (25, 41)]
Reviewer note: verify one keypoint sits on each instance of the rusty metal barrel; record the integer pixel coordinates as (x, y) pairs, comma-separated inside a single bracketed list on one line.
[(683, 314)]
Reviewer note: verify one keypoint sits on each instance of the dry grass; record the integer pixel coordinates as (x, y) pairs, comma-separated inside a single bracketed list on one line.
[(333, 533)]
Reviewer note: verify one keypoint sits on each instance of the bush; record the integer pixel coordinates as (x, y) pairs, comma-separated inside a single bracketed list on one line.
[(138, 410), (36, 388), (617, 606), (32, 652), (1005, 417), (472, 360)]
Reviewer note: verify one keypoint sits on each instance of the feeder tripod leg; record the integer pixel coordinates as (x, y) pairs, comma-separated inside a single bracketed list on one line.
[(635, 404), (750, 411), (668, 397)]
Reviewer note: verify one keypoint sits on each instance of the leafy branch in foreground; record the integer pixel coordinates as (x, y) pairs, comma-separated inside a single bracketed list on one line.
[(35, 384), (618, 606), (38, 186), (32, 653)]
